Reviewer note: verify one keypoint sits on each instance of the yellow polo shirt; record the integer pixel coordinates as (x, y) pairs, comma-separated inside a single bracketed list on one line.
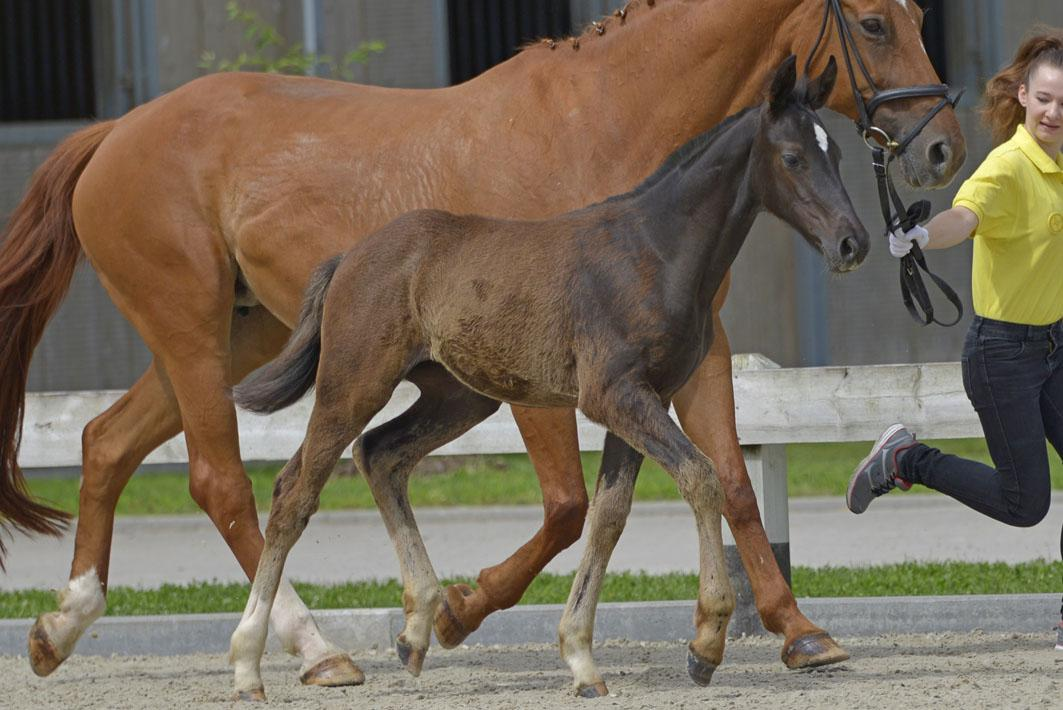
[(1017, 194)]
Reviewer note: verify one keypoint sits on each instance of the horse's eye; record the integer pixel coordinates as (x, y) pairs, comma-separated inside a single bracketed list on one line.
[(790, 160), (873, 26)]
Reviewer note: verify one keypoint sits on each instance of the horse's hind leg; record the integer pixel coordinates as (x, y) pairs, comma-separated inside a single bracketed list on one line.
[(608, 514), (636, 414), (386, 455), (550, 435), (113, 445)]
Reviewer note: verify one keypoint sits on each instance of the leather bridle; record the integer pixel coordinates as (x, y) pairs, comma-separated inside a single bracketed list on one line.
[(884, 149)]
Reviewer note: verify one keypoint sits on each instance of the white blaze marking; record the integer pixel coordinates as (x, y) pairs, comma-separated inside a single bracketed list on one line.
[(821, 137), (904, 4)]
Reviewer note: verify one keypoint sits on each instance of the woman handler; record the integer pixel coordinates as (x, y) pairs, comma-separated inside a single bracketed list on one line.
[(1012, 207)]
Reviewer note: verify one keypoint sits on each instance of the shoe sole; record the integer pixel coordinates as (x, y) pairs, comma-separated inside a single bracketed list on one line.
[(875, 450)]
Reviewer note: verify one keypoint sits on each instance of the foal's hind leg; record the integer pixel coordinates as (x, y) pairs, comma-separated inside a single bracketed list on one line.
[(608, 514), (347, 398), (386, 455), (636, 414), (550, 436)]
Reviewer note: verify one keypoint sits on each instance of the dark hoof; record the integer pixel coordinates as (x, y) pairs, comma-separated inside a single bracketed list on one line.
[(700, 670), (43, 656), (598, 690), (450, 631), (411, 658), (334, 672), (813, 650), (258, 695)]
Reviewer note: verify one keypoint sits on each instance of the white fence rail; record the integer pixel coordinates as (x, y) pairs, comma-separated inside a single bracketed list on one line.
[(772, 406)]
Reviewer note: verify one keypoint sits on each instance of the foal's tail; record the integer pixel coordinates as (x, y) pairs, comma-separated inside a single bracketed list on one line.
[(287, 378), (39, 251)]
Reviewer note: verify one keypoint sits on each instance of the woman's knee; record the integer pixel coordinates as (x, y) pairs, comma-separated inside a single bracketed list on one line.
[(1029, 511)]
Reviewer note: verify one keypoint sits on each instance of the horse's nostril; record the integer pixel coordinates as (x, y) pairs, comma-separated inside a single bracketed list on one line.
[(939, 153), (849, 249)]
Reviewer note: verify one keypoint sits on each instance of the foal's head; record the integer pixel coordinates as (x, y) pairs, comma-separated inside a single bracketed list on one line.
[(795, 168)]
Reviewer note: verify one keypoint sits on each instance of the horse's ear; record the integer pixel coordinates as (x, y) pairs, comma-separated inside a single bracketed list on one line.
[(782, 85), (819, 89)]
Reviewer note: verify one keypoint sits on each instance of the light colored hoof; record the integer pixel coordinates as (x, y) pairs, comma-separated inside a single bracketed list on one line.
[(450, 631), (334, 672), (410, 657), (44, 658), (255, 695), (597, 690), (700, 669), (813, 650)]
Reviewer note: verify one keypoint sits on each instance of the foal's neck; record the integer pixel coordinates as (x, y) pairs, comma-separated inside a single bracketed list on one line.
[(703, 208)]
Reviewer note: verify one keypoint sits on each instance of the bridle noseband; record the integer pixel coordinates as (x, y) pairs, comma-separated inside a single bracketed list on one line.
[(884, 150)]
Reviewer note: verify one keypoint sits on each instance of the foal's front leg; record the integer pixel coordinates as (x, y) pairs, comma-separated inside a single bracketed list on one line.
[(635, 413), (608, 514)]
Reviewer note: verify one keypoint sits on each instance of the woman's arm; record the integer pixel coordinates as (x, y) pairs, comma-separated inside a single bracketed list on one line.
[(951, 227), (947, 229)]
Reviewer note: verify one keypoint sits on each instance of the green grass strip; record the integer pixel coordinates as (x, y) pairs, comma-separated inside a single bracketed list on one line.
[(907, 579), (813, 470)]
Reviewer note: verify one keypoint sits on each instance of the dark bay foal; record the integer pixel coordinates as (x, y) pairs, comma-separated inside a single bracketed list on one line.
[(607, 308)]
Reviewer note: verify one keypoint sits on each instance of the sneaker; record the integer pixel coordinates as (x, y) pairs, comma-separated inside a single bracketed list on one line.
[(877, 474), (1059, 637)]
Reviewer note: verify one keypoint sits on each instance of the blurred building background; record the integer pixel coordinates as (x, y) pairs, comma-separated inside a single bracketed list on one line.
[(65, 62)]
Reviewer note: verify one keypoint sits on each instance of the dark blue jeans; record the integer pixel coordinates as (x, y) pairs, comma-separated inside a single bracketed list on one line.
[(1013, 375)]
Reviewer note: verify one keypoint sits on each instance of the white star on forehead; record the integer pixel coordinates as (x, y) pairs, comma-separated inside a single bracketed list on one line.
[(821, 137), (904, 4)]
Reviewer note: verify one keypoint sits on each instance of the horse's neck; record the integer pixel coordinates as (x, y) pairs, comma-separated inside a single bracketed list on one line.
[(626, 99)]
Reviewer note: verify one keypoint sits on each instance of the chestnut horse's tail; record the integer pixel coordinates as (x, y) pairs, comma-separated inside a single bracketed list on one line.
[(39, 251), (284, 380)]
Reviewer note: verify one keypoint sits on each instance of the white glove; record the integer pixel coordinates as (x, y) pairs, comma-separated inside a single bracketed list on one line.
[(901, 242)]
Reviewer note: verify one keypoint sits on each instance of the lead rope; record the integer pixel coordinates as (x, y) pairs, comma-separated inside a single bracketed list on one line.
[(913, 291)]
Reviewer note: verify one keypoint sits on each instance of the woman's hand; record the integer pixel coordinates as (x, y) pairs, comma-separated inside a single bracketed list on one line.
[(901, 241)]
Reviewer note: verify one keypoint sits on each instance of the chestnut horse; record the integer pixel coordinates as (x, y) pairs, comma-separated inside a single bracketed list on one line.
[(205, 210), (466, 308)]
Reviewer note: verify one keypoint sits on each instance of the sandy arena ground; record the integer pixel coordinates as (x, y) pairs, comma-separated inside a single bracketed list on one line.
[(919, 671)]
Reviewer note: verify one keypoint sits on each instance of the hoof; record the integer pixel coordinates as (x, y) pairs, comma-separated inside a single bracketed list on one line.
[(813, 650), (411, 658), (44, 658), (450, 632), (256, 695), (598, 690), (700, 670), (334, 672)]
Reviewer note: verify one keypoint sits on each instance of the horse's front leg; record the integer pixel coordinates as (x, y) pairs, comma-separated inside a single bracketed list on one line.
[(550, 435), (634, 412), (705, 407)]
